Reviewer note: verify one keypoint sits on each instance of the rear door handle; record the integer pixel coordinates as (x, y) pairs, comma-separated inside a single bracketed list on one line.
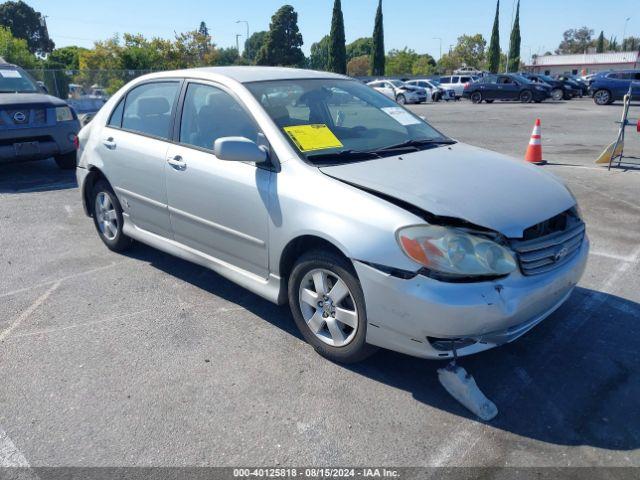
[(109, 143), (177, 162)]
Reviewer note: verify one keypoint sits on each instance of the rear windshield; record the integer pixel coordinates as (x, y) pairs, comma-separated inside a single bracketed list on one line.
[(16, 80)]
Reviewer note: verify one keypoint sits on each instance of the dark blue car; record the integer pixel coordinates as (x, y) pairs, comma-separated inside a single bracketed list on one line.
[(608, 87)]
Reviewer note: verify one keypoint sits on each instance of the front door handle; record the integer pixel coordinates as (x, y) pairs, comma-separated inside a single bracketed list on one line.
[(109, 143), (177, 162)]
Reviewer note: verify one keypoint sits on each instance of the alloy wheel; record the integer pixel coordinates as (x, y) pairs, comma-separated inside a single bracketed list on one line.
[(328, 307), (106, 216), (602, 97)]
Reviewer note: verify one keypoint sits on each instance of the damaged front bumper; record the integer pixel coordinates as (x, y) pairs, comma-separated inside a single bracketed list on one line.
[(422, 316)]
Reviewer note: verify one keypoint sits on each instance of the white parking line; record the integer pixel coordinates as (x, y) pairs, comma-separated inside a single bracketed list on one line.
[(620, 258), (27, 313), (10, 456)]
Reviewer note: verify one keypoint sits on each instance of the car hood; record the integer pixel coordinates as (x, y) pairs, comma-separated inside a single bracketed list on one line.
[(479, 186), (23, 99)]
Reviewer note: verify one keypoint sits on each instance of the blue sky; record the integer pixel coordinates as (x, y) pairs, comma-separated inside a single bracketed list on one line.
[(407, 23)]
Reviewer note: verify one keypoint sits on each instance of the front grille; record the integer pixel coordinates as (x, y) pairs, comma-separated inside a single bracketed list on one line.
[(28, 117), (550, 244)]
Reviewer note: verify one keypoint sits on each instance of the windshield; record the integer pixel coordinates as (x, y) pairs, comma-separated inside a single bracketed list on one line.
[(337, 121), (522, 79), (546, 78), (16, 80)]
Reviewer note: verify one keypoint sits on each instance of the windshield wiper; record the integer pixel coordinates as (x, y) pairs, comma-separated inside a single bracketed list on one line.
[(342, 156), (416, 144)]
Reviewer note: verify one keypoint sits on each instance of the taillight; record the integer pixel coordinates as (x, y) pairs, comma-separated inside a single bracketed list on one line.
[(76, 142), (467, 85)]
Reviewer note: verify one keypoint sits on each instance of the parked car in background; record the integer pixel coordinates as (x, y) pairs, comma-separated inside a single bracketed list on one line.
[(379, 232), (474, 72), (608, 87), (558, 89), (399, 91), (434, 91), (582, 84), (456, 83), (86, 107), (34, 125), (576, 88), (508, 86)]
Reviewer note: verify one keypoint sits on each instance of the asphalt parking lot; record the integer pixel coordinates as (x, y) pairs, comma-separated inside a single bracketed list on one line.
[(144, 359)]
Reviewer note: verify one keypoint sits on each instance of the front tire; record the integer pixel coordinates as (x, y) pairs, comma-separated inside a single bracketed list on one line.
[(328, 306), (526, 96), (476, 97), (66, 161), (602, 97), (107, 217), (401, 100), (557, 94)]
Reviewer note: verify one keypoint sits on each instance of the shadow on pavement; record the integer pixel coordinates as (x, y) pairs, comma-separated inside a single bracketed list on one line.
[(39, 176), (574, 380)]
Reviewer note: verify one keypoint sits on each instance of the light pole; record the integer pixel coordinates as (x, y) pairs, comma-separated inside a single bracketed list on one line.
[(624, 32), (238, 35), (438, 38), (247, 23)]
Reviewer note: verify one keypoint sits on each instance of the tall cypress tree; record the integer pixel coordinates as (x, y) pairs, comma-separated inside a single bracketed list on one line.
[(514, 45), (600, 43), (494, 47), (337, 47), (378, 55)]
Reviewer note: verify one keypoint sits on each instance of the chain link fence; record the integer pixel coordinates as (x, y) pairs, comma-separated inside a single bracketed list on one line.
[(78, 84)]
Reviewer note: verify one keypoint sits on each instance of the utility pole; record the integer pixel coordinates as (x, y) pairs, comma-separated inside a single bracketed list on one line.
[(438, 38), (247, 23)]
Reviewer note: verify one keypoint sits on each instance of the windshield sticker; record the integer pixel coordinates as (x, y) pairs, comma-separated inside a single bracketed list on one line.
[(10, 73), (313, 137), (401, 116)]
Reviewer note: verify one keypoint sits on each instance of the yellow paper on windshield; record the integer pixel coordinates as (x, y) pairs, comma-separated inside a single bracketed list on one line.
[(313, 137)]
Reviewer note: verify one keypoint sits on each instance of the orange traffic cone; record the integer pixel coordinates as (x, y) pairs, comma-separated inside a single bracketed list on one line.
[(534, 151)]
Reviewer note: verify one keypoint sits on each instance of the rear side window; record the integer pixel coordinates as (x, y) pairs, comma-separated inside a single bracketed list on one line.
[(455, 79), (445, 79), (116, 116), (149, 109), (465, 79)]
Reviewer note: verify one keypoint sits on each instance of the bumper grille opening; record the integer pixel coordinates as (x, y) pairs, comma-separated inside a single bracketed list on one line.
[(444, 344), (550, 244)]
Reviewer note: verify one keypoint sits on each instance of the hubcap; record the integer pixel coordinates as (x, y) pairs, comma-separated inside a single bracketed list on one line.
[(328, 307), (602, 96), (106, 216)]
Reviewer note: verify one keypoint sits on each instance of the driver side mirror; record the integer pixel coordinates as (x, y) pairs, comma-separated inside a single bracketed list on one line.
[(239, 149)]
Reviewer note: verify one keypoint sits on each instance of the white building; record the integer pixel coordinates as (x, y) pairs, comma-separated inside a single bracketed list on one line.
[(584, 64)]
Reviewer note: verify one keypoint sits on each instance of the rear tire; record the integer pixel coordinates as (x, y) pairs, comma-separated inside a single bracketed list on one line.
[(107, 217), (67, 161), (476, 97), (314, 277)]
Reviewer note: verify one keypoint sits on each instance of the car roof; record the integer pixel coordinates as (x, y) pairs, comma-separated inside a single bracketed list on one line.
[(248, 74)]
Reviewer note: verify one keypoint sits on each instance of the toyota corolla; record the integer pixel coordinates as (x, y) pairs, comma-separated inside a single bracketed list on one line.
[(312, 189)]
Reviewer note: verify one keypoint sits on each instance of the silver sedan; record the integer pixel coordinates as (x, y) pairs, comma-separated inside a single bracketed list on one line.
[(314, 190)]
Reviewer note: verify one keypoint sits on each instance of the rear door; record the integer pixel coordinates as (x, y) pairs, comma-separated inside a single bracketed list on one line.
[(133, 147), (217, 207)]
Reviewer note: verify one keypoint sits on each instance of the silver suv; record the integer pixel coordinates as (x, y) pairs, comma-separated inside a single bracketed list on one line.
[(315, 190)]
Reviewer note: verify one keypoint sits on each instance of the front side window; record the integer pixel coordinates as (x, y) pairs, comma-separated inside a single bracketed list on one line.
[(332, 121), (149, 109), (445, 79), (210, 113)]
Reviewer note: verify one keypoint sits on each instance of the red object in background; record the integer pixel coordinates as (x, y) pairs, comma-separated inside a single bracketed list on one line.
[(76, 142), (638, 126)]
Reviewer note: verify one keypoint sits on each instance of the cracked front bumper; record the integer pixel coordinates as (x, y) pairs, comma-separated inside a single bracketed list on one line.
[(406, 315)]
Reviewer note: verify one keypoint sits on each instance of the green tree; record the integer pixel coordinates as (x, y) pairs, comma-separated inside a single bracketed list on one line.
[(67, 57), (424, 65), (253, 45), (359, 66), (494, 47), (15, 50), (227, 56), (613, 44), (359, 47), (469, 50), (448, 63), (283, 41), (377, 54), (575, 41), (24, 22), (600, 43), (337, 46), (631, 44), (400, 62), (319, 57), (514, 43)]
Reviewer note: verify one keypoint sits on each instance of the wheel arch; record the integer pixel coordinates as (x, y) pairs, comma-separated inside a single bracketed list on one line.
[(90, 180)]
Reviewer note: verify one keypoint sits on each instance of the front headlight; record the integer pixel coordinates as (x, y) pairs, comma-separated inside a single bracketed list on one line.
[(455, 253), (63, 114)]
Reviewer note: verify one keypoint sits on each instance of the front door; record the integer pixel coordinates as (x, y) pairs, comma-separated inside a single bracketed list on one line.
[(217, 207)]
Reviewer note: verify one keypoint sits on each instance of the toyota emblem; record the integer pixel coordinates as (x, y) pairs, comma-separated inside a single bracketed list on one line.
[(563, 252), (19, 117)]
